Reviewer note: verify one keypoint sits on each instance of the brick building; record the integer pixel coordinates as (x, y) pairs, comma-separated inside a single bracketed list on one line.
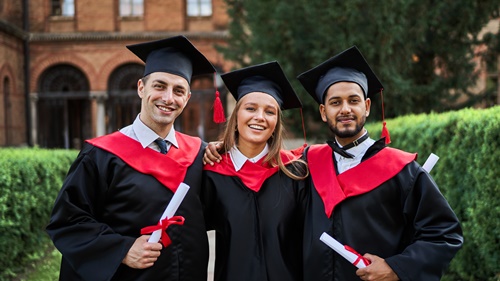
[(12, 94), (66, 75)]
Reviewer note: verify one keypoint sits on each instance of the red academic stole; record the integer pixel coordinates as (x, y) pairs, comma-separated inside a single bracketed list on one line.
[(170, 169), (363, 178), (251, 174)]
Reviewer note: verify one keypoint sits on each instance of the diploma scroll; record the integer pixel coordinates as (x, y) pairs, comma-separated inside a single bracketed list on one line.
[(172, 207), (348, 253), (430, 162)]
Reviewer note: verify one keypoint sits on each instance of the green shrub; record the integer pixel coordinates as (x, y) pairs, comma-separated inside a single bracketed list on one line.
[(467, 142), (29, 182)]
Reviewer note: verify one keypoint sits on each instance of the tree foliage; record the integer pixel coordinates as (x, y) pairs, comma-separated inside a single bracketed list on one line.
[(421, 50)]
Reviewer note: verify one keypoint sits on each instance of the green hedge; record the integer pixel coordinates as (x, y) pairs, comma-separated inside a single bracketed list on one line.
[(468, 174), (29, 182)]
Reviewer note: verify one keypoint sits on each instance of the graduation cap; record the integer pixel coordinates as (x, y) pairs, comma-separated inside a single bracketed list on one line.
[(268, 78), (175, 55), (347, 66)]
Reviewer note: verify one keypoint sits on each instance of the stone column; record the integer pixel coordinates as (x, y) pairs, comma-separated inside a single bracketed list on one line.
[(100, 97), (34, 121)]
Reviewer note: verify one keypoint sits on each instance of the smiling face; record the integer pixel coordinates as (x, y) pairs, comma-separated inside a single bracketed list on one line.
[(345, 110), (163, 97), (256, 118)]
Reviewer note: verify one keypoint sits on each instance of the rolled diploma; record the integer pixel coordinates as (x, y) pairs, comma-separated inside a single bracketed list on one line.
[(340, 249), (430, 162), (172, 207)]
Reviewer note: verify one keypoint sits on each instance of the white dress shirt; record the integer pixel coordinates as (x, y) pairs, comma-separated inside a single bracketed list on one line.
[(239, 159), (143, 134), (344, 164)]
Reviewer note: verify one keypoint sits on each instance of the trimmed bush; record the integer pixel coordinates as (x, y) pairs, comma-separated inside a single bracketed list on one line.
[(29, 182), (467, 142)]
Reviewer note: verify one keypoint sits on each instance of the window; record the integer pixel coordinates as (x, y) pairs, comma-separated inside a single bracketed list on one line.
[(122, 105), (65, 8), (131, 8), (63, 108), (199, 8)]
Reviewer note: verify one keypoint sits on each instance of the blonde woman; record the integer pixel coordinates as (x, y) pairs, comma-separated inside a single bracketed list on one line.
[(254, 195)]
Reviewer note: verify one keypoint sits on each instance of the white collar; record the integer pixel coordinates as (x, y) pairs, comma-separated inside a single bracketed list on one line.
[(146, 136), (358, 151), (239, 159)]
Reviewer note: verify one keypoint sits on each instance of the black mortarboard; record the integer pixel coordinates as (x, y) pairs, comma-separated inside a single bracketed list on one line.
[(268, 78), (175, 55), (347, 66)]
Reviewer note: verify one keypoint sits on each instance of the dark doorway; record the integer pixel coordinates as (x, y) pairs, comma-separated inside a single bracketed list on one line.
[(63, 108), (123, 103)]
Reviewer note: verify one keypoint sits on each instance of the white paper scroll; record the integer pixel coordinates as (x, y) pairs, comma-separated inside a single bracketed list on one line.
[(430, 162), (341, 250), (172, 207)]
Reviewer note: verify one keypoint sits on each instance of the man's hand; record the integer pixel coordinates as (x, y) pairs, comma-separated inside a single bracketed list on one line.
[(142, 254), (211, 153), (378, 270)]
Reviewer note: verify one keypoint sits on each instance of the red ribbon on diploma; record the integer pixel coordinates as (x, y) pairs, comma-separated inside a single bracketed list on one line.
[(163, 225), (360, 257)]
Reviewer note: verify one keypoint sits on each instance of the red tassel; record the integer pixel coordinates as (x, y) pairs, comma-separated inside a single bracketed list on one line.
[(385, 133), (219, 116)]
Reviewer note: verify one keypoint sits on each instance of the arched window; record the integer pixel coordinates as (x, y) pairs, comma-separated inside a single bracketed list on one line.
[(63, 108), (123, 103)]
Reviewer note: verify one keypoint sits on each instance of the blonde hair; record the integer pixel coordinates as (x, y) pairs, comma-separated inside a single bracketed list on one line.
[(275, 143)]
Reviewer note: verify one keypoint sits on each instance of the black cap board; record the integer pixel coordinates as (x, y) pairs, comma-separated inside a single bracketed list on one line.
[(174, 55), (268, 78), (347, 66)]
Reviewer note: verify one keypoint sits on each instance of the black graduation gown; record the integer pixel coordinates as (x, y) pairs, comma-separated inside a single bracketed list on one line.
[(104, 203), (405, 220), (258, 222)]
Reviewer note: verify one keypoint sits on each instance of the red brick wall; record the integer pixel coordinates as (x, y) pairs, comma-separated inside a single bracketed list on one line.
[(11, 63)]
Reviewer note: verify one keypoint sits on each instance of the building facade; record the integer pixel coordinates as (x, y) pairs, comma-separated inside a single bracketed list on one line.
[(13, 130), (66, 75)]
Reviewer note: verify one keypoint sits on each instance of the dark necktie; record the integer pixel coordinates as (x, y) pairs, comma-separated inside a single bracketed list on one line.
[(342, 150), (162, 144)]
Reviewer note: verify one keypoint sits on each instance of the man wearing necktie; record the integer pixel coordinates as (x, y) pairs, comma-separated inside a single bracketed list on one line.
[(373, 198), (121, 183), (162, 145)]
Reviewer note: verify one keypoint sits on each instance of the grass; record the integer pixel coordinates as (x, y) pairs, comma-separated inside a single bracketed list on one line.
[(44, 268)]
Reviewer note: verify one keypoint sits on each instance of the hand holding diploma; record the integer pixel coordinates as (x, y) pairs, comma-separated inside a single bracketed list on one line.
[(167, 218), (345, 251)]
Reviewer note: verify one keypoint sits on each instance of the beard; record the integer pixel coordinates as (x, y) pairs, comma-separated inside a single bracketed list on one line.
[(346, 133)]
